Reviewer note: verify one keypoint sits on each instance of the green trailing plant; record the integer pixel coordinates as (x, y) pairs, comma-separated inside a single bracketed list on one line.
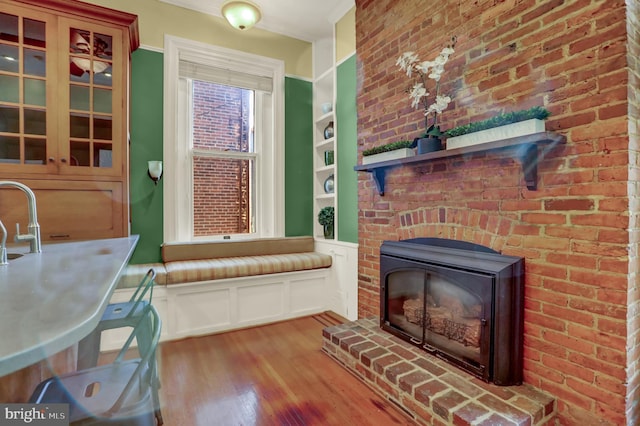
[(499, 120), (388, 147), (325, 216)]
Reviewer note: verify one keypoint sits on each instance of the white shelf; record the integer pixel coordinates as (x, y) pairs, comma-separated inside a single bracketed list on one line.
[(325, 144), (323, 92)]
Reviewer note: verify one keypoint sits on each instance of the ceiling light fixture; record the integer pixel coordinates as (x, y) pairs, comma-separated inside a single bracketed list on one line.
[(241, 14)]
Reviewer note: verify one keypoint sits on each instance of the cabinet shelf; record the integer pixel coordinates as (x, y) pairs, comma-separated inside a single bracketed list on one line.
[(522, 148)]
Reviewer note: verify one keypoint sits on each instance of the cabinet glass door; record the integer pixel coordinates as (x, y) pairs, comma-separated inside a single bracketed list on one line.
[(24, 129), (91, 135)]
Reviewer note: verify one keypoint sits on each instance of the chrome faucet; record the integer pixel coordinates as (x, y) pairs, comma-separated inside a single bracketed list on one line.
[(3, 245), (33, 235)]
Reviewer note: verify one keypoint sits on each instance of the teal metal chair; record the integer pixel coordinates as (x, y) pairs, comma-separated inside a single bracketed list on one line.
[(121, 315), (120, 393)]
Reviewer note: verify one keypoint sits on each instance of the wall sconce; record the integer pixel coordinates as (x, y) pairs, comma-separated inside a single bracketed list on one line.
[(241, 14), (155, 171)]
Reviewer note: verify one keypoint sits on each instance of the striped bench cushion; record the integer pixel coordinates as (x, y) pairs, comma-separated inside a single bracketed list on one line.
[(133, 274), (185, 271)]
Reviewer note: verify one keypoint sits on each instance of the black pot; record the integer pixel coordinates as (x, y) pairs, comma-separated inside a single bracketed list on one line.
[(328, 231), (428, 144)]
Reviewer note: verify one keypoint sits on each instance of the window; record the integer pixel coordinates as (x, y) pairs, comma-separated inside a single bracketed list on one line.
[(223, 143)]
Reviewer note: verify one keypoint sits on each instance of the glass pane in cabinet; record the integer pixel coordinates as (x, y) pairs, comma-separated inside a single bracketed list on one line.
[(80, 153), (102, 128), (8, 27), (34, 33), (35, 122), (78, 69), (35, 151), (35, 92), (9, 58), (9, 119), (102, 75), (102, 155), (79, 125), (9, 89), (35, 62), (9, 149), (102, 46), (102, 100), (79, 97), (79, 41)]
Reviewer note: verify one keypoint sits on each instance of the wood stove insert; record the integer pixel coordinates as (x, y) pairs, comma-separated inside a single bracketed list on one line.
[(459, 301)]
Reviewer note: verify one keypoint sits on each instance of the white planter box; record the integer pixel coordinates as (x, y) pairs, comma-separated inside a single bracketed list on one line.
[(513, 130), (389, 155)]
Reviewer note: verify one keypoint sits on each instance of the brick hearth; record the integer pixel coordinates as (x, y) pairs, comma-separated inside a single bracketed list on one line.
[(428, 389)]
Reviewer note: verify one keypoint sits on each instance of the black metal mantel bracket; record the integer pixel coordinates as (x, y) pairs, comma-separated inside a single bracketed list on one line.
[(526, 152)]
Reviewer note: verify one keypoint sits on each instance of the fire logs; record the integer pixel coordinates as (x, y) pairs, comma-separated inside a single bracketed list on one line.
[(449, 318)]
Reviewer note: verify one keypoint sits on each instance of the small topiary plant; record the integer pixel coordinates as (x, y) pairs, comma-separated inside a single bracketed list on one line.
[(499, 120), (325, 216), (388, 147)]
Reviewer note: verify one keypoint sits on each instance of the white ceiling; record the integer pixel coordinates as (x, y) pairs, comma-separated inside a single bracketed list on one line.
[(308, 20)]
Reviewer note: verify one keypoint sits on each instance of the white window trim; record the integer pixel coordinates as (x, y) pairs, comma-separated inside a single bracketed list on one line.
[(270, 177)]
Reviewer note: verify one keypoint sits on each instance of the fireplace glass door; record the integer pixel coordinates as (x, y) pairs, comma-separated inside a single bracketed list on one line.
[(445, 311)]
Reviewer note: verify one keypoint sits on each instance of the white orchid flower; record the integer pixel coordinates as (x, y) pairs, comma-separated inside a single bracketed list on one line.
[(406, 61), (448, 51), (441, 59), (441, 103), (418, 91), (425, 66), (433, 70)]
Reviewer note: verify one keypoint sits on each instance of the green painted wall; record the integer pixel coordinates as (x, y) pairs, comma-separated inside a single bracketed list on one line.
[(146, 145), (347, 117), (298, 158)]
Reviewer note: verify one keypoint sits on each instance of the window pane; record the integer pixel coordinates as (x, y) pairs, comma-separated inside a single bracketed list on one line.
[(9, 120), (35, 151), (8, 27), (9, 149), (80, 154), (35, 62), (35, 92), (9, 58), (79, 97), (34, 33), (102, 155), (79, 125), (102, 100), (35, 121), (9, 89), (222, 196), (102, 128), (222, 117)]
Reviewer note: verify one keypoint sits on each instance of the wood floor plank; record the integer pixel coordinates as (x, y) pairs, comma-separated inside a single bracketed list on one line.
[(269, 375)]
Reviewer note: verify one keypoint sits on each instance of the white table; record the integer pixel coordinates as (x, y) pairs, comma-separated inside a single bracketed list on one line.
[(51, 300)]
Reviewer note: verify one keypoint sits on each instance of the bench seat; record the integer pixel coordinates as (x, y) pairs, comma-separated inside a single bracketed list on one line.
[(185, 271), (192, 262)]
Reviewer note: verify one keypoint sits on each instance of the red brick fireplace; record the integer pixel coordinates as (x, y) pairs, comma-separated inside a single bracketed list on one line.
[(578, 232)]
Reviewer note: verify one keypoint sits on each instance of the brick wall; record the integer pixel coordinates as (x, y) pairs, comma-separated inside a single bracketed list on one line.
[(576, 233), (220, 121), (633, 315)]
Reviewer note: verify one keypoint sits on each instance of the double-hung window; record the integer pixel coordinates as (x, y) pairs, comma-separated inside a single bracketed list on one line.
[(223, 143)]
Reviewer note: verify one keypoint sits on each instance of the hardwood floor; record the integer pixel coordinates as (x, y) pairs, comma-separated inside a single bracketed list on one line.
[(268, 375)]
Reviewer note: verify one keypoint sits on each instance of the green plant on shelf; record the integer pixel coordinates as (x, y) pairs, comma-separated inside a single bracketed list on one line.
[(388, 147), (500, 120), (325, 216)]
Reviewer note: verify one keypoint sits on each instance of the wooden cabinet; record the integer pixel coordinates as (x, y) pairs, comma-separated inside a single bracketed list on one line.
[(64, 75)]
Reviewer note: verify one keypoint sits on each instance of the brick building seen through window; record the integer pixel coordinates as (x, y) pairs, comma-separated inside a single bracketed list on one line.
[(222, 184)]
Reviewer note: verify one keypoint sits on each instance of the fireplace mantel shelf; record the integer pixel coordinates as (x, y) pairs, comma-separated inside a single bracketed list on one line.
[(523, 148)]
